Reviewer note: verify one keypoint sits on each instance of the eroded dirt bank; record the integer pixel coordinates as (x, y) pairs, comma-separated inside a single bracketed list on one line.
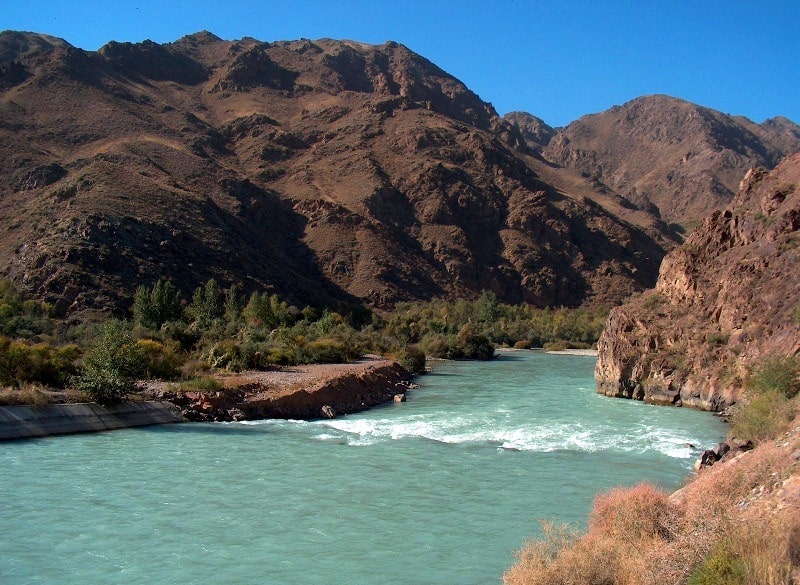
[(299, 392)]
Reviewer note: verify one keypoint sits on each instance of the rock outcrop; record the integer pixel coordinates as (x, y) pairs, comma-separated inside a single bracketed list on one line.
[(728, 295)]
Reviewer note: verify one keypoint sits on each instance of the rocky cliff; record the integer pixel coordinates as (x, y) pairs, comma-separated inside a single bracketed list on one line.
[(729, 294)]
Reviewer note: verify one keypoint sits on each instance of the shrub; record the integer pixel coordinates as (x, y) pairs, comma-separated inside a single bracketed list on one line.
[(439, 346), (720, 567), (779, 374), (624, 522), (111, 365), (634, 515), (223, 354), (411, 358), (653, 301), (555, 346), (718, 339), (193, 367), (761, 418), (768, 410), (471, 345), (159, 361), (204, 384), (325, 351), (21, 363), (477, 347), (522, 344), (35, 396)]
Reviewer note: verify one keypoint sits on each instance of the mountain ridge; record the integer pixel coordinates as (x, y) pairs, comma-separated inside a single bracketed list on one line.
[(328, 171), (668, 155)]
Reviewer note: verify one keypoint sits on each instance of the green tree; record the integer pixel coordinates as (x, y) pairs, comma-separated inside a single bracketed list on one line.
[(207, 304), (154, 307), (111, 365), (258, 312), (233, 304)]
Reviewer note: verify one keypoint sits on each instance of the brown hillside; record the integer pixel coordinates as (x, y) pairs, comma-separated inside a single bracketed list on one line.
[(726, 297), (670, 156), (328, 171)]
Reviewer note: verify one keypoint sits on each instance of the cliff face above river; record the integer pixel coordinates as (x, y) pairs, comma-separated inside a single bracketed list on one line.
[(729, 295)]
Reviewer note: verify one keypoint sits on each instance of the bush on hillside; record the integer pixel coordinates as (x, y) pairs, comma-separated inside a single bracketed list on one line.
[(768, 408), (763, 417), (779, 374)]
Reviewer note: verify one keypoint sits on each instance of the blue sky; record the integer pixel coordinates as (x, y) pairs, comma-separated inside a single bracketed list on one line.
[(556, 60)]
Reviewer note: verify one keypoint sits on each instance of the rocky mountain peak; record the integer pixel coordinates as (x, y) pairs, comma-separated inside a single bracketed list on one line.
[(16, 45), (669, 155), (328, 171), (535, 131)]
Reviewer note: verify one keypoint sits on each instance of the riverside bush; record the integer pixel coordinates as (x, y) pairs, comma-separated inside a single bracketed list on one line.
[(21, 362), (411, 358), (623, 522), (768, 409), (720, 567), (111, 365), (326, 351), (160, 361), (20, 317), (779, 374), (762, 417)]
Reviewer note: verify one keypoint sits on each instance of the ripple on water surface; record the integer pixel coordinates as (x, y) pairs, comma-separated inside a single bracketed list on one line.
[(439, 489)]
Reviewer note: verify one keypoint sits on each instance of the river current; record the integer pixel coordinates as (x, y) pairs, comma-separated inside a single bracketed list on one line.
[(439, 490)]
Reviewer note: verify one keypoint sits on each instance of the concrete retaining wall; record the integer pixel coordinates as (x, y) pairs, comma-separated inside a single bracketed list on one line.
[(21, 422)]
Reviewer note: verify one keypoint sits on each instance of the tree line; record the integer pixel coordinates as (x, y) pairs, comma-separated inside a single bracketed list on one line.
[(168, 337)]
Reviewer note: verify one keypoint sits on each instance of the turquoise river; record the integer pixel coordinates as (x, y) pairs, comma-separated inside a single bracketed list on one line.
[(439, 490)]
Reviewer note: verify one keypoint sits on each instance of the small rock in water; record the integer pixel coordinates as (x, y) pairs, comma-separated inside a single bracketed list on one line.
[(399, 397)]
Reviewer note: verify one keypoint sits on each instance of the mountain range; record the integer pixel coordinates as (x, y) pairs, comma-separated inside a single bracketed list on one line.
[(335, 172)]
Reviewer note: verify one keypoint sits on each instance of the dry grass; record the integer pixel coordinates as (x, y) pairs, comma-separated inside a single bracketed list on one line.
[(29, 394), (737, 523)]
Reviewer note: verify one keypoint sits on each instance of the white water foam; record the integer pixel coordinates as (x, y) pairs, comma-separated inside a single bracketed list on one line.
[(506, 435)]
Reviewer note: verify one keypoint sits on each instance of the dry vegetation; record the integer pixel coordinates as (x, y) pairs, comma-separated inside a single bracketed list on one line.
[(737, 522)]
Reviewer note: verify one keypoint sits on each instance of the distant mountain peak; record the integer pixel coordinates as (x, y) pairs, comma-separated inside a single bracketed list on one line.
[(666, 153)]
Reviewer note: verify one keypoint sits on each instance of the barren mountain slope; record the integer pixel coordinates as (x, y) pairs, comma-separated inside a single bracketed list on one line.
[(664, 153), (727, 296), (328, 171)]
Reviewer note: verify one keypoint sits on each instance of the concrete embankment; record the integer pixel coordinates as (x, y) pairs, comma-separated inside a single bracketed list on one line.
[(22, 422)]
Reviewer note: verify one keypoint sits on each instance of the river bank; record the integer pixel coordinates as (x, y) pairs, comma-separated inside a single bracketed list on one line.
[(737, 521), (299, 392)]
